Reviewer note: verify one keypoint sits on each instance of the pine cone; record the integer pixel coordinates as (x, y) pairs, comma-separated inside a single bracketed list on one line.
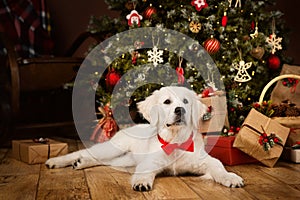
[(282, 109), (276, 112), (292, 111)]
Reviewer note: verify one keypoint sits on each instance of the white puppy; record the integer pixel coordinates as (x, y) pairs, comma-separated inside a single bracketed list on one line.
[(171, 142)]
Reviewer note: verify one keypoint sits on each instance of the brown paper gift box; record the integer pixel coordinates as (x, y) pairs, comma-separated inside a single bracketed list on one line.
[(219, 114), (33, 152), (248, 137)]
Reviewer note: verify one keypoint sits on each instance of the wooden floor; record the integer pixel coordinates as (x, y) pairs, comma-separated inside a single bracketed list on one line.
[(21, 181)]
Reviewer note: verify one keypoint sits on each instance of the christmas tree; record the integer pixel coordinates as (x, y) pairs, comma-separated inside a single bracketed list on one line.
[(244, 38)]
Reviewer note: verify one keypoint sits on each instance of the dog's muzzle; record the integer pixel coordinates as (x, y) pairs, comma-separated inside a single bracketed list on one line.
[(179, 117)]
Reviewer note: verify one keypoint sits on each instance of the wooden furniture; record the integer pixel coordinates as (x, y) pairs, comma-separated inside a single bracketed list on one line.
[(35, 76)]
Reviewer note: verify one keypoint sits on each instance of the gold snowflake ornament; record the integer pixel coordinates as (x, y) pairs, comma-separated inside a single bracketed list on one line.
[(195, 27), (274, 42)]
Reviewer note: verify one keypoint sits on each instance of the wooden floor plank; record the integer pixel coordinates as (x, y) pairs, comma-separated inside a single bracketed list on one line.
[(268, 183), (11, 166), (19, 180), (123, 180), (296, 186), (273, 191), (18, 186), (102, 185), (284, 172), (252, 174), (170, 188), (208, 189), (64, 183)]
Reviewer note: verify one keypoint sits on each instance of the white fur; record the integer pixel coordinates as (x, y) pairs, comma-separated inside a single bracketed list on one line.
[(138, 146)]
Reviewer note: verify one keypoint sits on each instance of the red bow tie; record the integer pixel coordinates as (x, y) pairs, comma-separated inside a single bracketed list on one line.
[(169, 148)]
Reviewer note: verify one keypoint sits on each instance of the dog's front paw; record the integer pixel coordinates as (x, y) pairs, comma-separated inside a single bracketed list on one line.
[(232, 180), (142, 187), (52, 163), (76, 164), (142, 183)]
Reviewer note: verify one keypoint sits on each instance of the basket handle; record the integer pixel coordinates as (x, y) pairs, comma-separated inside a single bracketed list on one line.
[(261, 98)]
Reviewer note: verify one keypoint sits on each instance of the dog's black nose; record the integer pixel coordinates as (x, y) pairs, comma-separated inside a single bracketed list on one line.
[(179, 111)]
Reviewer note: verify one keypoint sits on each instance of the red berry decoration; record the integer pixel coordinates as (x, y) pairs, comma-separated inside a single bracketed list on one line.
[(149, 12), (268, 141), (112, 78), (273, 62), (212, 45)]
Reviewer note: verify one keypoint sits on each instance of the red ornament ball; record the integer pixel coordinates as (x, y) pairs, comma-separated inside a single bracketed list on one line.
[(212, 45), (149, 12), (112, 78), (273, 62)]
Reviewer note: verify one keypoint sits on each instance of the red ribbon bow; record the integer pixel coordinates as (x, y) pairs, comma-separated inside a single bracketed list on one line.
[(169, 148)]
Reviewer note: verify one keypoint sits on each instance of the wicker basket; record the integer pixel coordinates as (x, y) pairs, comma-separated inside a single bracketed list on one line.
[(291, 122)]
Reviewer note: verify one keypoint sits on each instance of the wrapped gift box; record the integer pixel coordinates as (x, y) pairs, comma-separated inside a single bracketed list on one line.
[(218, 114), (291, 154), (221, 148), (34, 152), (248, 137)]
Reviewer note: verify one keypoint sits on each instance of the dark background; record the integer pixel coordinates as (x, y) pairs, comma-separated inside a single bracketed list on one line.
[(70, 18)]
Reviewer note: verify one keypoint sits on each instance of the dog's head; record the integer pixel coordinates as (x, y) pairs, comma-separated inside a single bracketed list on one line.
[(173, 107)]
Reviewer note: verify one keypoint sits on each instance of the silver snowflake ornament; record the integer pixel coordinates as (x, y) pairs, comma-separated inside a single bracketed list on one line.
[(274, 42), (155, 56)]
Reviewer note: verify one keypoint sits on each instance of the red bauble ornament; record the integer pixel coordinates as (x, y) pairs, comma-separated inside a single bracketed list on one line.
[(273, 62), (112, 78), (212, 45), (149, 12)]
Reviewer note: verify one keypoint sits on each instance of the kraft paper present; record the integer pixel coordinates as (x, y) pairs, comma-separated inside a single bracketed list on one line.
[(33, 152), (221, 147), (247, 140), (218, 115)]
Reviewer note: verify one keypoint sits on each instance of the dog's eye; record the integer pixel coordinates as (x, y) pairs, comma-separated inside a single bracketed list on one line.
[(168, 101), (185, 101)]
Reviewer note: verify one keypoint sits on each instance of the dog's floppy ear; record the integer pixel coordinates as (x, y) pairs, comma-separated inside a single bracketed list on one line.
[(198, 110), (150, 109)]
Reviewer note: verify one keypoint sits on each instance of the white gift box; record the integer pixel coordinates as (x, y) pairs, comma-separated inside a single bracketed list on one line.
[(291, 154)]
